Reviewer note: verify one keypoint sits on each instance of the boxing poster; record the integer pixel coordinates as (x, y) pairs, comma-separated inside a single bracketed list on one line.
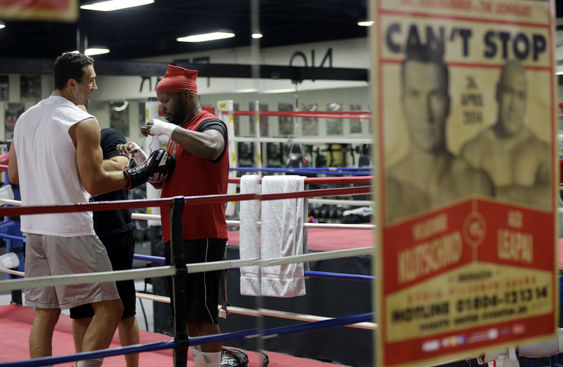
[(57, 10), (30, 87), (12, 111), (4, 88), (466, 180)]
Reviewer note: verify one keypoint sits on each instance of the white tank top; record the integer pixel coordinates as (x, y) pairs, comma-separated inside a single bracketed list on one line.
[(47, 168)]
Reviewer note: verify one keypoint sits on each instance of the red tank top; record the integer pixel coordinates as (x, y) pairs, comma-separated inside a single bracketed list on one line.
[(196, 176)]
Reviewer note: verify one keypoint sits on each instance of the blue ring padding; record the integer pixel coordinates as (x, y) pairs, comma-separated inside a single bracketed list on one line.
[(171, 344), (12, 237), (310, 171), (320, 274)]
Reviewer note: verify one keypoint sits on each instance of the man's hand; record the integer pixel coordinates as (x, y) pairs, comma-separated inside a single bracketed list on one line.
[(157, 168), (133, 150), (158, 127)]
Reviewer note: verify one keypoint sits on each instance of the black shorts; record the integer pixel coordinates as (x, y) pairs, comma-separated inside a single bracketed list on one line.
[(202, 289), (120, 248)]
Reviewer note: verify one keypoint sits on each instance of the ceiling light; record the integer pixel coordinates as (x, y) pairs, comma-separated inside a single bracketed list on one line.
[(284, 90), (559, 72), (248, 90), (93, 51), (2, 25), (111, 5), (206, 37), (366, 23), (257, 35)]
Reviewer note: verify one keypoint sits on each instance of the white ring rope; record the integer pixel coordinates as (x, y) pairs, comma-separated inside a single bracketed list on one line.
[(243, 311), (266, 312), (341, 202), (161, 271), (304, 140), (13, 272), (142, 216)]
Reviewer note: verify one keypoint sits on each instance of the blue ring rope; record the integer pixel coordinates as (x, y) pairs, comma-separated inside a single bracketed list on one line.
[(171, 344)]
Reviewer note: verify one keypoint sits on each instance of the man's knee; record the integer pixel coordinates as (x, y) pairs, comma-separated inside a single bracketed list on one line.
[(112, 309), (47, 315)]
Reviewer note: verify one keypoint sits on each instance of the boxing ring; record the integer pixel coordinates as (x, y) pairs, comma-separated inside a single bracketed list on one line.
[(180, 342)]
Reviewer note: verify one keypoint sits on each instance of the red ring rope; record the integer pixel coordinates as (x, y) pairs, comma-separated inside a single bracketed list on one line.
[(190, 200)]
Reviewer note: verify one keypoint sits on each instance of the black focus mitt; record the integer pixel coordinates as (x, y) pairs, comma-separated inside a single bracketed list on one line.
[(158, 166)]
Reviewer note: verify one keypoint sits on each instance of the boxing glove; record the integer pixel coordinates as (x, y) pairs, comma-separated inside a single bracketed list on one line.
[(154, 170)]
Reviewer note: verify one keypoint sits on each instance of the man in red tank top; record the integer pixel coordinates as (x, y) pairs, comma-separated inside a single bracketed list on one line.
[(198, 140)]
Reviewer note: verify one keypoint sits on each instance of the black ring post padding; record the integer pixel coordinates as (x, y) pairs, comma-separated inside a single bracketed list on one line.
[(179, 297)]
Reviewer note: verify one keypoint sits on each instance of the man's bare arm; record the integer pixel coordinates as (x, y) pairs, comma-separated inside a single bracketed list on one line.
[(89, 159), (13, 175), (205, 145), (117, 163)]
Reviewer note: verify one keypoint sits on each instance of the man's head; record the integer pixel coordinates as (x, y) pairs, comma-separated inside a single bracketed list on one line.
[(511, 98), (177, 94), (425, 94), (75, 77)]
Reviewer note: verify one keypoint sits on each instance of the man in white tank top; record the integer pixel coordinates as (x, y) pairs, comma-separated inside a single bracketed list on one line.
[(59, 161)]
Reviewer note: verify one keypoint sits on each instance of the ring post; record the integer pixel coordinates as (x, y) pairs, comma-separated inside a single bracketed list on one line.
[(178, 260)]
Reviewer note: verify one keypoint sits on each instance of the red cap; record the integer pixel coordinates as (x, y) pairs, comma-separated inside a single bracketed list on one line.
[(178, 79)]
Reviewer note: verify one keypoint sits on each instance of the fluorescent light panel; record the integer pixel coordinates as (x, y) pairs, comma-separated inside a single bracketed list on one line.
[(93, 51), (112, 5), (366, 23), (206, 37), (257, 35)]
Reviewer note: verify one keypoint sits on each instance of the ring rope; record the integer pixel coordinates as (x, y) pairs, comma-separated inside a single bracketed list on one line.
[(143, 216), (137, 348), (12, 237), (303, 171), (265, 312), (161, 260), (171, 344), (319, 274), (324, 180), (327, 140), (307, 114), (341, 202), (190, 200), (12, 272), (292, 113), (262, 311), (80, 278)]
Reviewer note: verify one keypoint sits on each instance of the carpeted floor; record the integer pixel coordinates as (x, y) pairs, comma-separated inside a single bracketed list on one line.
[(16, 321)]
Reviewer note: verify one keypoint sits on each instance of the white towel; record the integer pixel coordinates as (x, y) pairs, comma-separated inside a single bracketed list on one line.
[(282, 235), (249, 236)]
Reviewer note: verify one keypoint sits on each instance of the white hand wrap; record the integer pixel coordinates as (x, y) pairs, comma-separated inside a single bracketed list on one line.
[(138, 155), (160, 127)]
